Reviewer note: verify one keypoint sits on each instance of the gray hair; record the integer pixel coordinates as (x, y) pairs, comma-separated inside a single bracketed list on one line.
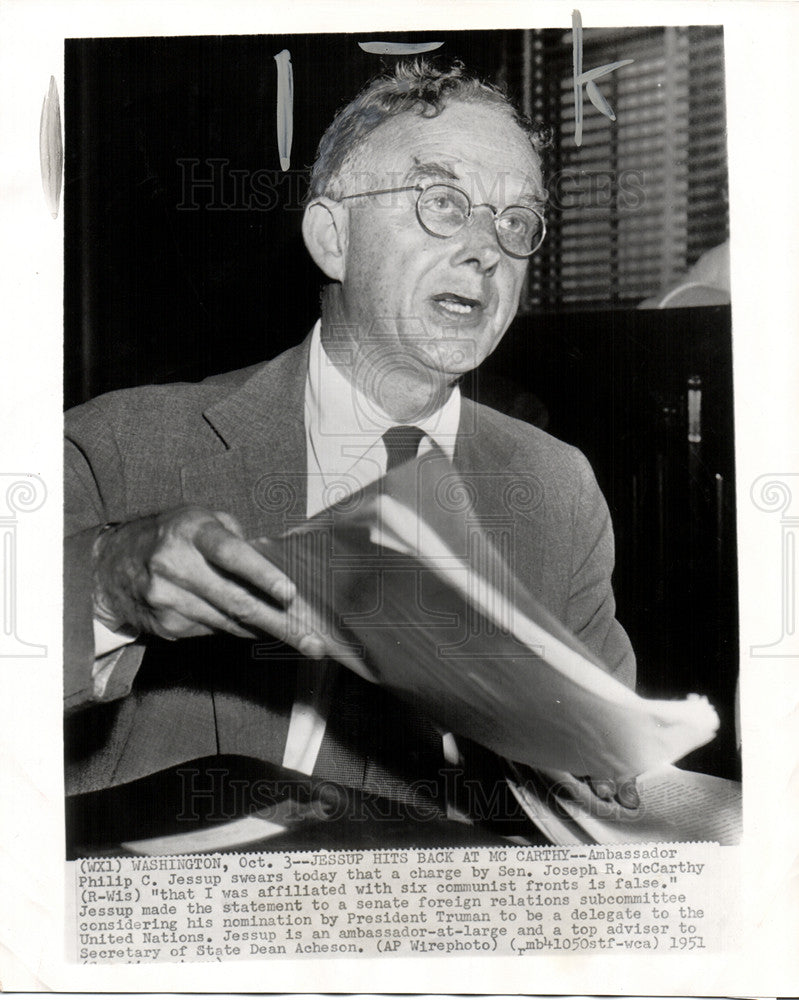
[(417, 87)]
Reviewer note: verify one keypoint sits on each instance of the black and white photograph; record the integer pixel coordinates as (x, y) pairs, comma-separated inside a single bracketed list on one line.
[(406, 499), (357, 330)]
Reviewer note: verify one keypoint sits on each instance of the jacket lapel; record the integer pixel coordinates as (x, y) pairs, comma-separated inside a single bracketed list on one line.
[(260, 478), (507, 495), (484, 458)]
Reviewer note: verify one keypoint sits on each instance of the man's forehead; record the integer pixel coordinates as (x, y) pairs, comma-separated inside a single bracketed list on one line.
[(476, 145), (493, 187)]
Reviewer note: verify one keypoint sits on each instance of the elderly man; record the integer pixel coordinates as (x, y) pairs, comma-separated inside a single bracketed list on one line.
[(425, 205)]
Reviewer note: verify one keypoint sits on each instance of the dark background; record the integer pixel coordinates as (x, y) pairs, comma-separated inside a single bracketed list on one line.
[(156, 291), (159, 293)]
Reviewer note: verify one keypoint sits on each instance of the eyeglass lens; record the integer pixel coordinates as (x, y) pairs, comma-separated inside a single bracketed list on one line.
[(444, 209)]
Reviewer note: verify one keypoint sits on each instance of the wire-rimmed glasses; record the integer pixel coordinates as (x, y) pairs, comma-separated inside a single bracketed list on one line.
[(444, 209)]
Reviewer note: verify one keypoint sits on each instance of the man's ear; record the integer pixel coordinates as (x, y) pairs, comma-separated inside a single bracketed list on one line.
[(324, 229)]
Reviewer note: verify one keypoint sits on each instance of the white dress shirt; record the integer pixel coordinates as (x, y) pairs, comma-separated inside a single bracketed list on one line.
[(345, 452)]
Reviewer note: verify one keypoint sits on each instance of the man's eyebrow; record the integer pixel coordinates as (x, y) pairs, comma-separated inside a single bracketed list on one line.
[(440, 171), (431, 169)]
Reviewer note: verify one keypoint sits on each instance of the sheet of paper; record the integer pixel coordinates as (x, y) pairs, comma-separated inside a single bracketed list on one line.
[(554, 827), (443, 623), (676, 807)]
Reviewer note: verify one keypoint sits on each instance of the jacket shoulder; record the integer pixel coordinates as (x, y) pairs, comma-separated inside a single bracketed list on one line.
[(524, 444), (153, 401), (169, 408)]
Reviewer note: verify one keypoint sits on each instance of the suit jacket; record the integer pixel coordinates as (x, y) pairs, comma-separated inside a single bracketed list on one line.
[(236, 442)]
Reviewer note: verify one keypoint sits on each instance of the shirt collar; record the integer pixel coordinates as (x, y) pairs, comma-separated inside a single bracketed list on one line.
[(341, 421)]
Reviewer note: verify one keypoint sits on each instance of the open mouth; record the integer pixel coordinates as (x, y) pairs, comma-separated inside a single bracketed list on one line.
[(457, 305)]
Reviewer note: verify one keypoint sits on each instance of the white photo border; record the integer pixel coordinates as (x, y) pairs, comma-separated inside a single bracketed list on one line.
[(762, 81)]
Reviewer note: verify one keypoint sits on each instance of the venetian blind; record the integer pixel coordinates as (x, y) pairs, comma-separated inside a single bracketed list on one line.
[(638, 202)]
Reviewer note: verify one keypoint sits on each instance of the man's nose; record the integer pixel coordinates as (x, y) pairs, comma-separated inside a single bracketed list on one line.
[(477, 242)]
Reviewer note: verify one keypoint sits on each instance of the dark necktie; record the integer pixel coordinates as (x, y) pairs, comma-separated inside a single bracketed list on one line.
[(373, 744), (402, 444)]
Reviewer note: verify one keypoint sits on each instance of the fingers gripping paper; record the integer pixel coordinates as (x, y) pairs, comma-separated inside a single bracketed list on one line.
[(416, 591)]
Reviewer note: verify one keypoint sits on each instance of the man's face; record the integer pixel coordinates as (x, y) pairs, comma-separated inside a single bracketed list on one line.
[(442, 305)]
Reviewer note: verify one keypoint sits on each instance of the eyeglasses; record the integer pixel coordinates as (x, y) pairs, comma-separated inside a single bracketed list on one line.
[(443, 210)]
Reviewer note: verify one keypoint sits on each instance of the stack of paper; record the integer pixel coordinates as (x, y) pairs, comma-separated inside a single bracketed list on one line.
[(437, 617)]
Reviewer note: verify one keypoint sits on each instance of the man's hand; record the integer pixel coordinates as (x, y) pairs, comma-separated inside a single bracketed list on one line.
[(623, 792), (599, 796), (189, 572)]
